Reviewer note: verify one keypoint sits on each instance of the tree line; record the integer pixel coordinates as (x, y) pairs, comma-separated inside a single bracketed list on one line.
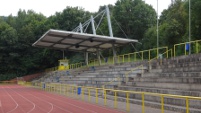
[(136, 18)]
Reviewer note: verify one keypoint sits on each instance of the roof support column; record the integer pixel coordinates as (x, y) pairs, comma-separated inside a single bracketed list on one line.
[(86, 53), (94, 32), (111, 33)]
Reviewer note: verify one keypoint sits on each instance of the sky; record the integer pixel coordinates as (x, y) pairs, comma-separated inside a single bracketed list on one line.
[(49, 7)]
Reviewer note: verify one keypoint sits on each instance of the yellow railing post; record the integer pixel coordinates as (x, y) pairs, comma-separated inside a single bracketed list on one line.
[(105, 97), (83, 93), (167, 53), (115, 99), (187, 105), (96, 95), (174, 50), (185, 49), (135, 56), (149, 54), (157, 52), (196, 45), (143, 103), (60, 88), (72, 90), (142, 54), (127, 102), (76, 91), (123, 58), (162, 104)]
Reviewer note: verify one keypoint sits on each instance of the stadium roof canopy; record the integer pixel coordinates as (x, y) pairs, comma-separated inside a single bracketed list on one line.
[(81, 42)]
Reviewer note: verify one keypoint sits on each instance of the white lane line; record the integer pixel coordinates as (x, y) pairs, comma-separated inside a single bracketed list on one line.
[(86, 104), (14, 102), (27, 100), (52, 107), (51, 104), (36, 104), (70, 104)]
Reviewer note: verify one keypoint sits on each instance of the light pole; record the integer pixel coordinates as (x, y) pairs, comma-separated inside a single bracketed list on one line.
[(189, 26), (157, 31)]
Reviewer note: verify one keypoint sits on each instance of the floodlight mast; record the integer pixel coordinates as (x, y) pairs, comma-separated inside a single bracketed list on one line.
[(86, 53), (94, 32), (111, 33)]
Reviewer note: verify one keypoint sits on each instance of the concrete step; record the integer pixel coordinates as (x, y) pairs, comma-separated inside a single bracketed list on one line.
[(162, 91), (193, 80), (181, 86)]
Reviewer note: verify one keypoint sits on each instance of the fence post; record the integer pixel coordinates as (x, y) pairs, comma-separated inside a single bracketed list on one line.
[(162, 104), (142, 102), (96, 95), (187, 105), (115, 99), (105, 97), (127, 102)]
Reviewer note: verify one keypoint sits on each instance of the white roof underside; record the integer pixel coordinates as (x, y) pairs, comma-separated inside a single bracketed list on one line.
[(73, 41)]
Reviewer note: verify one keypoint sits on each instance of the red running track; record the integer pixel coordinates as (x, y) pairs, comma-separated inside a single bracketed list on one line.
[(20, 99)]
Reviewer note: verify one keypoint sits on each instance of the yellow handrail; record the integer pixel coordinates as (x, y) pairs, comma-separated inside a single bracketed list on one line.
[(68, 90)]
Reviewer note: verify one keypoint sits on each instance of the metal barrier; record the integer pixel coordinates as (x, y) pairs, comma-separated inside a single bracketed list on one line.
[(89, 92)]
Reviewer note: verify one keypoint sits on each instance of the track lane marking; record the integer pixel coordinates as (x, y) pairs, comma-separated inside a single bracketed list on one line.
[(101, 107), (14, 102), (27, 89), (34, 106), (70, 104)]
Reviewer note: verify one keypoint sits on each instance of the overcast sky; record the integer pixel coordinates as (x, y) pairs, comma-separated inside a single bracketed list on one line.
[(49, 7)]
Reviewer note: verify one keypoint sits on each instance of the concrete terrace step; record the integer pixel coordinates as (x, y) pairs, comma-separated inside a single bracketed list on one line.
[(180, 74), (182, 86), (194, 80), (162, 90)]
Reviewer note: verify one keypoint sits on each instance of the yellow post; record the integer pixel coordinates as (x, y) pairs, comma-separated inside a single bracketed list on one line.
[(149, 54), (142, 102), (142, 55), (115, 99), (157, 53), (97, 96), (135, 56), (72, 90), (105, 97), (83, 93), (60, 88), (127, 102), (67, 90), (187, 105), (185, 48), (123, 58), (174, 50), (55, 88), (167, 53), (162, 104), (89, 95), (196, 44)]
